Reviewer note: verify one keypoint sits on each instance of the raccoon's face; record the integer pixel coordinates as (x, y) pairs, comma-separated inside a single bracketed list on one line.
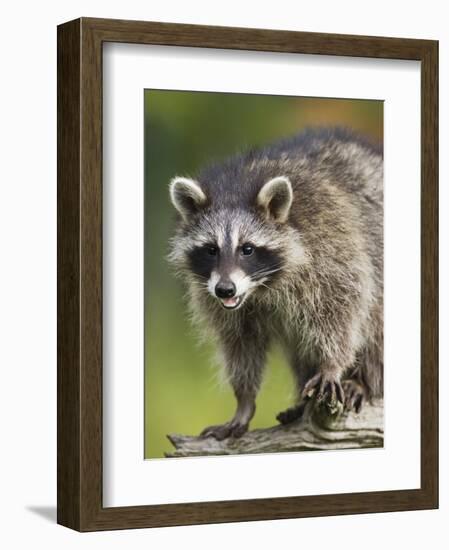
[(231, 253)]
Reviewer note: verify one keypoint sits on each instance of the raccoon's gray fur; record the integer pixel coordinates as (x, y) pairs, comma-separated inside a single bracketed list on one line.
[(285, 244)]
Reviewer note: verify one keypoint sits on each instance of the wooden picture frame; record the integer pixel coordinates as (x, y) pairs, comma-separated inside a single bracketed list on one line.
[(80, 504)]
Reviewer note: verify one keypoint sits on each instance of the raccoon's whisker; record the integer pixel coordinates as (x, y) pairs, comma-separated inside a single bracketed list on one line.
[(266, 286), (196, 283), (261, 272), (269, 287), (265, 272), (200, 283), (279, 264), (201, 276), (274, 267)]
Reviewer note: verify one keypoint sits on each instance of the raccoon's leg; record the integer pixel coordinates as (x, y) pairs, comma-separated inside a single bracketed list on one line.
[(244, 357), (238, 425), (337, 338)]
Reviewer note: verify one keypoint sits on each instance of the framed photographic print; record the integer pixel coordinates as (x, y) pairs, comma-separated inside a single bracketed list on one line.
[(247, 274)]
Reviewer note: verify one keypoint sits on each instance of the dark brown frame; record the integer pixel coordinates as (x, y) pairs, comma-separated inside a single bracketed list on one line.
[(80, 274)]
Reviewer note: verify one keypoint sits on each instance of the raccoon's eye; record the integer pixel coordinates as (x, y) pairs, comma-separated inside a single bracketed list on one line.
[(212, 250), (247, 249)]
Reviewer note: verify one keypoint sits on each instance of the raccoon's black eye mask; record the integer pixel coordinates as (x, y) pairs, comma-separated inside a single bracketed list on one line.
[(261, 262), (203, 259)]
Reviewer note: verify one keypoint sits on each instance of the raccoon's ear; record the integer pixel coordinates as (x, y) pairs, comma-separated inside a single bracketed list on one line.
[(187, 196), (275, 198)]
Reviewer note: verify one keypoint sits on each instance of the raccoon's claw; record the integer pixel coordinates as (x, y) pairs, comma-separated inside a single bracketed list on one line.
[(223, 431), (355, 395), (327, 388), (291, 414)]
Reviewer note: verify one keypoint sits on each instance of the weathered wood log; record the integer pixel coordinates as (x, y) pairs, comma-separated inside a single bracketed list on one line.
[(317, 430)]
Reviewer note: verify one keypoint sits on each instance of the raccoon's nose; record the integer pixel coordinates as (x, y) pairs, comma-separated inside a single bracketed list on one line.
[(225, 289)]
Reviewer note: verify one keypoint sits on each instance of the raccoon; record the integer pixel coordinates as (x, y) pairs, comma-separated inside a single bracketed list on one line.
[(285, 244)]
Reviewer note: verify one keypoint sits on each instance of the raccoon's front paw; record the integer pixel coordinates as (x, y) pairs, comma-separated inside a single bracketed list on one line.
[(355, 395), (222, 431), (327, 389)]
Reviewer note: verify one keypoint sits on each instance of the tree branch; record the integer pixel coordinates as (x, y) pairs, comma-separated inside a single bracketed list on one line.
[(316, 430)]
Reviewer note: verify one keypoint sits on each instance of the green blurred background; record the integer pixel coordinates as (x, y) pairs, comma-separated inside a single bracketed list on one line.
[(183, 131)]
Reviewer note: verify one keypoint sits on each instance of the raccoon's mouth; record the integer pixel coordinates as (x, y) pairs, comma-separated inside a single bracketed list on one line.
[(232, 303)]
